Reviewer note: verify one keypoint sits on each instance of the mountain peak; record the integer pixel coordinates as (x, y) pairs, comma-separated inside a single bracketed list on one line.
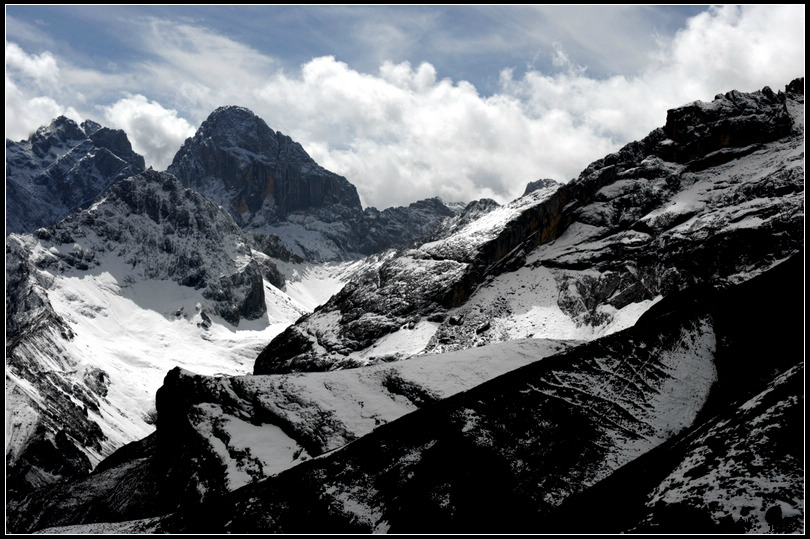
[(540, 184), (62, 168), (233, 110), (270, 185), (259, 175), (233, 115), (61, 128), (235, 127), (91, 127)]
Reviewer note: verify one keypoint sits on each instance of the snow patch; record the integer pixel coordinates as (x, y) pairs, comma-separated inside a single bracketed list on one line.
[(404, 343)]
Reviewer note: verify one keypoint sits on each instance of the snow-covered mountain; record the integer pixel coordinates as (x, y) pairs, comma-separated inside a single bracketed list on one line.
[(101, 305), (270, 185), (62, 168), (98, 301), (619, 353), (714, 197)]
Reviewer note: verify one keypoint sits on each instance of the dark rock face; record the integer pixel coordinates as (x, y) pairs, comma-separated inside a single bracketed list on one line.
[(63, 168), (398, 227), (733, 120), (44, 462), (636, 225), (274, 247), (270, 185), (113, 489), (236, 160)]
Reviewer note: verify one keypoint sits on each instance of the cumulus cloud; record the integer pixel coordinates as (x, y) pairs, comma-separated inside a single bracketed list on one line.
[(722, 49), (155, 132), (403, 134), (406, 132), (734, 47), (23, 113), (41, 69), (28, 77)]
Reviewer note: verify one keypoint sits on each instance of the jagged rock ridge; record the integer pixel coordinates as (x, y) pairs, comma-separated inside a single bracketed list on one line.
[(62, 168)]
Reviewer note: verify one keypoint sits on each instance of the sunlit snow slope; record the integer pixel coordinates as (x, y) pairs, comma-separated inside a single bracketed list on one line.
[(101, 306)]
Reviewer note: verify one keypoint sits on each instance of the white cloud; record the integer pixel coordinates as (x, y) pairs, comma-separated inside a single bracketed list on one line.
[(24, 112), (404, 135), (28, 77), (406, 132), (41, 69), (722, 49), (736, 47), (155, 132)]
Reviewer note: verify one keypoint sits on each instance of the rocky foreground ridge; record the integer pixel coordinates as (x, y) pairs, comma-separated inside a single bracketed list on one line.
[(676, 424)]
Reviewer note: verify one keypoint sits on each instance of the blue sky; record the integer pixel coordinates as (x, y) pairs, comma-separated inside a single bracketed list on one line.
[(406, 102)]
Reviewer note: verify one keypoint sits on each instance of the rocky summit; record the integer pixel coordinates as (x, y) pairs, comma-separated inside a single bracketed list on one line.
[(62, 168), (270, 185), (238, 161), (621, 353)]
